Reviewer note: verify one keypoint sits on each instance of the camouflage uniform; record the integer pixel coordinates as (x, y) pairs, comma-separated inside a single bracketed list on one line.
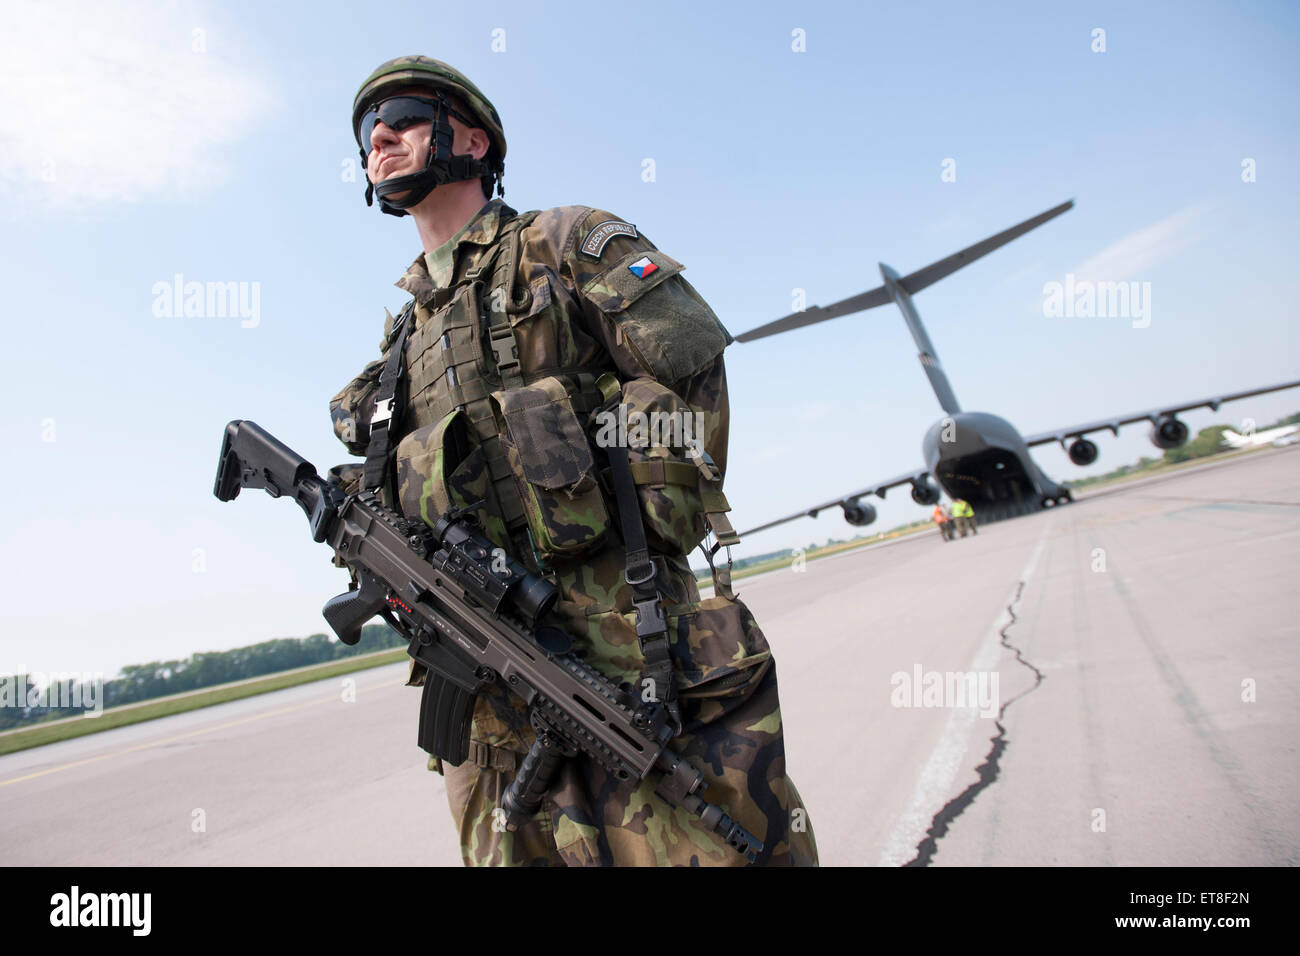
[(497, 414)]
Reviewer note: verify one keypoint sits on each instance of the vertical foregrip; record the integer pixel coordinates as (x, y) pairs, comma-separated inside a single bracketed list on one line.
[(525, 794)]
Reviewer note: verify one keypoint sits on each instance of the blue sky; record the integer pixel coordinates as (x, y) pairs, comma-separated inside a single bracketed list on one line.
[(142, 141)]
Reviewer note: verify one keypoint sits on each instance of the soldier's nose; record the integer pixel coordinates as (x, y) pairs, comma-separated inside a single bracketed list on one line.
[(382, 134)]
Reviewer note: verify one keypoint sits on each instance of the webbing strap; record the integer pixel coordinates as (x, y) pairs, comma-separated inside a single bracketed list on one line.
[(501, 335), (657, 472), (386, 402), (651, 622), (715, 515), (492, 758)]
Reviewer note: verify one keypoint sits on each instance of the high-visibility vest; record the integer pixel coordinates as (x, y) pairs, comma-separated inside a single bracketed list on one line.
[(939, 514), (962, 509)]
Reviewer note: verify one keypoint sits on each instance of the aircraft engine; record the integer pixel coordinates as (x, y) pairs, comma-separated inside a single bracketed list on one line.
[(924, 493), (858, 513), (1168, 432), (1082, 451)]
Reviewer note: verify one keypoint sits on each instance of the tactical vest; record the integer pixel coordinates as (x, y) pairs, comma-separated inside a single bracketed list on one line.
[(461, 348), (473, 428)]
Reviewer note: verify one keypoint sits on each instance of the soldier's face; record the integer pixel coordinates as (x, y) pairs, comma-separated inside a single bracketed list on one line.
[(402, 152), (398, 153)]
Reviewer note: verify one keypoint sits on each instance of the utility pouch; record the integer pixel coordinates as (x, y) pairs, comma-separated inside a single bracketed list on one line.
[(665, 439), (547, 449), (718, 652), (719, 656)]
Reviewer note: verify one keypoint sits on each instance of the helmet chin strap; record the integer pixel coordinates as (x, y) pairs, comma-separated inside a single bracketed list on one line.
[(441, 167)]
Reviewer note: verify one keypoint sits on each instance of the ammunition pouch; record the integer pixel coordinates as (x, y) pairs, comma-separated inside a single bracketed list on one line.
[(440, 466), (541, 428)]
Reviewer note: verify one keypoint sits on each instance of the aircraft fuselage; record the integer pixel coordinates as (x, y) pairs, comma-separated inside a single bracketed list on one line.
[(983, 459)]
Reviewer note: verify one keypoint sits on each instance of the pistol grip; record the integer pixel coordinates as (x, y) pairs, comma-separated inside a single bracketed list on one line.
[(347, 612)]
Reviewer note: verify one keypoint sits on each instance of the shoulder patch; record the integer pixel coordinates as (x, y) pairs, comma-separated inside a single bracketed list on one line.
[(642, 267), (594, 244)]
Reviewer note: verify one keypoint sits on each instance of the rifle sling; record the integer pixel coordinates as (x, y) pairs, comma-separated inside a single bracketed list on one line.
[(651, 622), (387, 409)]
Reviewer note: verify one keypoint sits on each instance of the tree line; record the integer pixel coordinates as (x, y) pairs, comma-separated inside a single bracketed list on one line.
[(141, 682)]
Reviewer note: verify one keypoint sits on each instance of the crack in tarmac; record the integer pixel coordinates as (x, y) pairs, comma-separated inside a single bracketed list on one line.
[(988, 770)]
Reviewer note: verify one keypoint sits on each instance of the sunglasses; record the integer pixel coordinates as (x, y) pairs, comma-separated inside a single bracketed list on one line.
[(401, 112)]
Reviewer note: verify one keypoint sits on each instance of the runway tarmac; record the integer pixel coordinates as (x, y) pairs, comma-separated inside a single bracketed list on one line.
[(1142, 643)]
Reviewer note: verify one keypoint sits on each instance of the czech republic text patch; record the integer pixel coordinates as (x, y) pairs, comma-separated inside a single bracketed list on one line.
[(594, 244)]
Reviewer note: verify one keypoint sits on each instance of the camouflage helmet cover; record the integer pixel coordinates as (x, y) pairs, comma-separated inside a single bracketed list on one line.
[(407, 71)]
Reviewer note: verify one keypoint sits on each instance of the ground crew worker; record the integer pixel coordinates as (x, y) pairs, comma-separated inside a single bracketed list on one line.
[(964, 515), (944, 520), (520, 328)]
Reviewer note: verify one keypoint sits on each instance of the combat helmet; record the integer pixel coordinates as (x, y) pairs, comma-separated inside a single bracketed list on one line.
[(440, 80)]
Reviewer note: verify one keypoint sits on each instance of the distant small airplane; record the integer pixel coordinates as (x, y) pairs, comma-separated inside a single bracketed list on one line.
[(1270, 436), (975, 455)]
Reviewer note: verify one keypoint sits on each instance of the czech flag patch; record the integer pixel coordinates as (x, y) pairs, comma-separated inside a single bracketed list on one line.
[(642, 267)]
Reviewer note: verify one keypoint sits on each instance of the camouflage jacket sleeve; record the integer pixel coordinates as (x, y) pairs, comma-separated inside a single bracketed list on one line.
[(649, 319), (350, 409)]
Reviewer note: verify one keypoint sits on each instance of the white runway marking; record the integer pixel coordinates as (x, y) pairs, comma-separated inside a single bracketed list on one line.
[(949, 756)]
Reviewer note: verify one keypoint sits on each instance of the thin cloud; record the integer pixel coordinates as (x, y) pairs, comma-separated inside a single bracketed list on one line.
[(770, 453), (109, 103), (815, 411), (1139, 252), (1024, 273)]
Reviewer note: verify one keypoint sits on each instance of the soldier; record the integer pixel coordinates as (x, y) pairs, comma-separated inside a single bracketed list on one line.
[(964, 514), (944, 519), (525, 332)]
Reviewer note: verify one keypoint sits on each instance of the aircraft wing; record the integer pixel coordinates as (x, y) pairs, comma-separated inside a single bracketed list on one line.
[(912, 283), (879, 489), (817, 313), (1147, 415)]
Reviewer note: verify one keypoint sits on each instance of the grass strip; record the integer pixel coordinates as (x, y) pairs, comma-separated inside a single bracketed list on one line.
[(57, 730)]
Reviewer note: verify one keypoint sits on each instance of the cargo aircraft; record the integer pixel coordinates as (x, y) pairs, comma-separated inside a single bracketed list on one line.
[(975, 455)]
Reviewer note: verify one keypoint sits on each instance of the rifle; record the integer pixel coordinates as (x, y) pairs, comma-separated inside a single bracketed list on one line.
[(474, 618)]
